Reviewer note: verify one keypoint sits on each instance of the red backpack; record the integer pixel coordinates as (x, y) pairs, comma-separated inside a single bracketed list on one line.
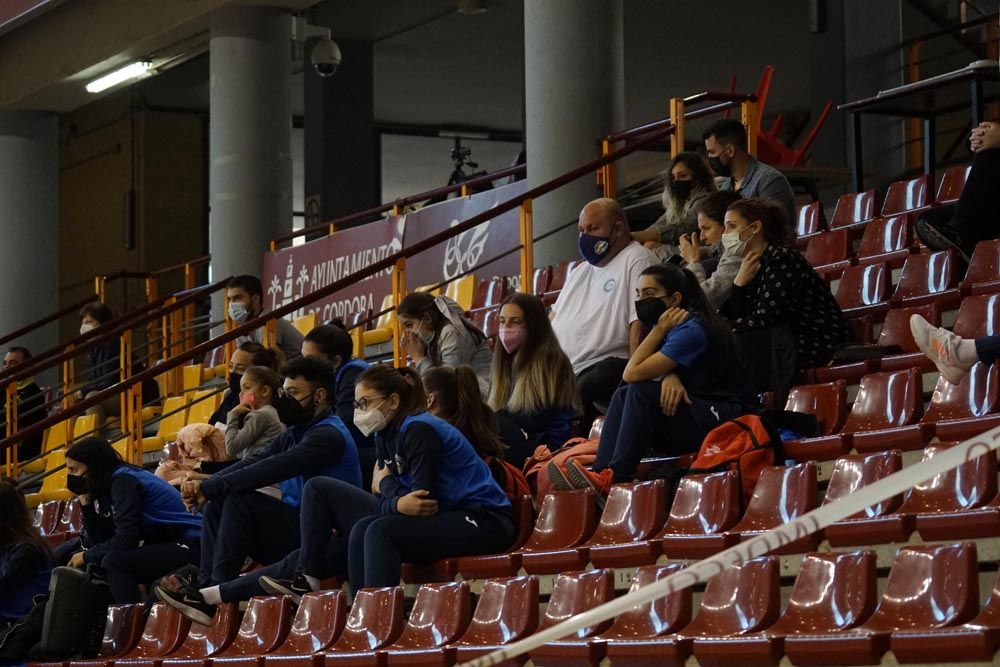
[(536, 468), (510, 479), (744, 444)]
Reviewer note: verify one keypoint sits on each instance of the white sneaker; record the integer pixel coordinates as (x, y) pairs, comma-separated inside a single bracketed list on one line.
[(941, 347)]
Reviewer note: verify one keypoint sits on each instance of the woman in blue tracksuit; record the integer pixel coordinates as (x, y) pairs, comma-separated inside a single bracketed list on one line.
[(25, 559), (135, 524)]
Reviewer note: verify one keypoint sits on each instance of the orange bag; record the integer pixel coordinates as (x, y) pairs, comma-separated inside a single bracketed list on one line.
[(510, 479), (536, 467), (744, 444)]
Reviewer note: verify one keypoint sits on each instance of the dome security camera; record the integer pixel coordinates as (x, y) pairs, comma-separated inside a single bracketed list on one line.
[(326, 57)]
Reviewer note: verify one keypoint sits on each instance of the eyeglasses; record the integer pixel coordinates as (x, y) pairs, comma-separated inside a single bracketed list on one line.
[(362, 403), (292, 394)]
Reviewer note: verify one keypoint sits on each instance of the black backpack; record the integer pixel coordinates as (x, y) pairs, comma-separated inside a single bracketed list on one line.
[(75, 614)]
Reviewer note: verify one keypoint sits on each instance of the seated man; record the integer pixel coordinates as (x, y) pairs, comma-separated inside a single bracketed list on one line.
[(30, 403), (241, 522), (594, 317), (726, 143), (976, 216), (246, 301)]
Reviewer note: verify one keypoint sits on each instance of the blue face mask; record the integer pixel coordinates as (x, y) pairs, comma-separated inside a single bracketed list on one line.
[(594, 248)]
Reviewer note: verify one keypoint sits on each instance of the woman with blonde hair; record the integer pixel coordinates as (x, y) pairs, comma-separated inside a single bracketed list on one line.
[(534, 388)]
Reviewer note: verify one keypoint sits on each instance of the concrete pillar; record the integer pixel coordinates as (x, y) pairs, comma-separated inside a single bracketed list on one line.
[(29, 224), (573, 95), (250, 127), (341, 148)]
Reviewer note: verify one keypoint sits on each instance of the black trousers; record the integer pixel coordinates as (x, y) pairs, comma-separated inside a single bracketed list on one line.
[(978, 209), (380, 544), (597, 384), (125, 569), (247, 524)]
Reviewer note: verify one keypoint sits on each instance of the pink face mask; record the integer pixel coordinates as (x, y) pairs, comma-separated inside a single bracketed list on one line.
[(248, 399), (512, 339)]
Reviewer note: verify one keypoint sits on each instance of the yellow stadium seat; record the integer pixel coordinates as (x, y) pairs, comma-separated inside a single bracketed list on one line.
[(175, 407), (53, 486), (382, 333), (200, 411), (305, 324), (84, 426), (427, 288), (121, 446), (54, 438), (462, 290), (192, 378)]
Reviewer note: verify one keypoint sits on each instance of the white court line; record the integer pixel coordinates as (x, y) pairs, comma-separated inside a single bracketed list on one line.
[(807, 524)]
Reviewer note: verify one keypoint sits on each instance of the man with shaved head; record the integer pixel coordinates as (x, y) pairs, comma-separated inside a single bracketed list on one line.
[(594, 316)]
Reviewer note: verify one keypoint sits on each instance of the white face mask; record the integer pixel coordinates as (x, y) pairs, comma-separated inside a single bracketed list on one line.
[(84, 328), (369, 421), (238, 311), (734, 243)]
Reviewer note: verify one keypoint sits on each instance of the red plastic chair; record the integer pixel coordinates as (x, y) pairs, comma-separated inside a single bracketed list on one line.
[(928, 278), (489, 292), (559, 274), (826, 401), (962, 411), (850, 474), (491, 322), (265, 626), (572, 594), (983, 274), (864, 290), (705, 507), (318, 622), (952, 183), (829, 253), (203, 641), (632, 631), (376, 621), (886, 402), (929, 587), (976, 640), (542, 279), (978, 316), (507, 612), (441, 614), (164, 632), (122, 631), (833, 592), (911, 195), (853, 209), (782, 494), (810, 221), (46, 518), (896, 331), (887, 240), (71, 521)]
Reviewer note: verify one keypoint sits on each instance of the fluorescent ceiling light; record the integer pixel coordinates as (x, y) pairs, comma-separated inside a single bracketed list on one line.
[(132, 71)]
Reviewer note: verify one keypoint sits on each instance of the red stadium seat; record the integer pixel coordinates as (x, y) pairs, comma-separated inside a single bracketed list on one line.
[(829, 253), (633, 630), (810, 221), (854, 208), (952, 183), (203, 641), (864, 290), (911, 195), (929, 587), (976, 640), (542, 278), (886, 240), (896, 331), (885, 403), (559, 274), (850, 474), (507, 612), (46, 520), (782, 494), (375, 621), (978, 316), (983, 274), (928, 278), (958, 412), (491, 322), (265, 626), (489, 292), (122, 631), (832, 592), (826, 401), (71, 521), (572, 594), (705, 507), (318, 622), (440, 615), (164, 632)]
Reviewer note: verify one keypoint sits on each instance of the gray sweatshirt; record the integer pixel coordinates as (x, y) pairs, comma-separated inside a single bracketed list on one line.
[(250, 433), (720, 283)]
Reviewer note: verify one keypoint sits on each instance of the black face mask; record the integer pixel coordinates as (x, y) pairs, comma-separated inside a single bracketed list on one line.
[(720, 168), (234, 383), (649, 310), (292, 412), (77, 485), (682, 189)]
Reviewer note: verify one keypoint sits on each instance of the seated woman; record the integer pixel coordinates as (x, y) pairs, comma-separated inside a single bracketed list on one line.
[(25, 559), (709, 253), (453, 395), (703, 385), (688, 182), (534, 389), (435, 497), (776, 287), (246, 355), (254, 423), (436, 333), (135, 525)]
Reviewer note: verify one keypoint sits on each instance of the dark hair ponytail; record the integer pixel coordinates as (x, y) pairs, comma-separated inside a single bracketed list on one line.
[(404, 382), (457, 391)]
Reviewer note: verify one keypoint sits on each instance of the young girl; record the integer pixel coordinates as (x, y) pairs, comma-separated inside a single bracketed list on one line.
[(435, 333), (25, 559), (534, 388), (135, 523), (251, 425), (453, 395), (246, 355), (692, 349)]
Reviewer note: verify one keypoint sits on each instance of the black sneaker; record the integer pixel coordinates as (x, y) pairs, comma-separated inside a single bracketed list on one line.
[(941, 235), (557, 477), (189, 602), (295, 587)]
